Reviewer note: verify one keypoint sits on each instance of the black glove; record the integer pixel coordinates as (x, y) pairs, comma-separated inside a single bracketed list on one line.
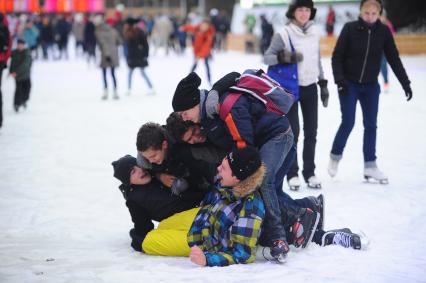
[(226, 82), (408, 92), (288, 57), (179, 185), (342, 88), (324, 92)]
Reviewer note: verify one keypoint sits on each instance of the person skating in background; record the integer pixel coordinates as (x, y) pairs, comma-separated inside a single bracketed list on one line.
[(5, 51), (20, 70), (330, 21), (108, 41), (78, 27), (202, 44), (356, 63), (298, 43), (89, 42), (137, 51), (267, 33), (46, 37), (62, 31), (147, 199), (384, 64), (31, 34)]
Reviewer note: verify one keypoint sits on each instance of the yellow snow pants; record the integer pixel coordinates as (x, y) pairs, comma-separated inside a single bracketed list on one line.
[(169, 239)]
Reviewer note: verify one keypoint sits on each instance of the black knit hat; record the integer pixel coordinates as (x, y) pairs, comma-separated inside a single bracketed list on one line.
[(20, 41), (187, 94), (244, 162), (123, 167), (132, 21), (301, 3)]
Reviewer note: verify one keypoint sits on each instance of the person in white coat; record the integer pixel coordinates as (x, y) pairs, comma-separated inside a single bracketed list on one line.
[(298, 43)]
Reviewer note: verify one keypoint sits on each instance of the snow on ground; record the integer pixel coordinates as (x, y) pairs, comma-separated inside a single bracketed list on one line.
[(62, 218)]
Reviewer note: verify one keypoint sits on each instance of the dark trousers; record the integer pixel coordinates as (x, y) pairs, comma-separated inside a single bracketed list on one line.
[(368, 97), (206, 62), (309, 105), (22, 92), (1, 98), (104, 76)]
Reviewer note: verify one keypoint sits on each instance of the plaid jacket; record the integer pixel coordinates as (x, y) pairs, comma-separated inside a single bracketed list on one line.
[(227, 227)]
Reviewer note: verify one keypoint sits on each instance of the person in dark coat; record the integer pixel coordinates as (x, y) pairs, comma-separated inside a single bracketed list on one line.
[(89, 41), (137, 51), (46, 36), (146, 198), (267, 33), (356, 64), (5, 51), (20, 68), (62, 32)]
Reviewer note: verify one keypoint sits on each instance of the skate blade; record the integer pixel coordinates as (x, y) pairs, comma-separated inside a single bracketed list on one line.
[(267, 256), (372, 180), (311, 235), (294, 188), (317, 186)]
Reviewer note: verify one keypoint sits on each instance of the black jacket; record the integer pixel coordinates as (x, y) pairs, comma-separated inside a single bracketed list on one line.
[(155, 202), (138, 50), (359, 50)]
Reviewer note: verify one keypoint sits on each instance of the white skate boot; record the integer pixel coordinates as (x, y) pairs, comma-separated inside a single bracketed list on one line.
[(105, 95), (115, 95), (332, 167), (294, 183), (374, 174), (314, 183)]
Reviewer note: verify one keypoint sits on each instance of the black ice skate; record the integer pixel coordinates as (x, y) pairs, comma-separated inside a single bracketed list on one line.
[(304, 228), (345, 238), (317, 205), (279, 251)]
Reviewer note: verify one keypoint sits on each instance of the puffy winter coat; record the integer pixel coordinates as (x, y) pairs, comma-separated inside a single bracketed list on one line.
[(358, 53), (21, 64), (227, 226), (138, 50)]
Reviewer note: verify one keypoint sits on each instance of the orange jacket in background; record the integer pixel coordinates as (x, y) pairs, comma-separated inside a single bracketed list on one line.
[(203, 41)]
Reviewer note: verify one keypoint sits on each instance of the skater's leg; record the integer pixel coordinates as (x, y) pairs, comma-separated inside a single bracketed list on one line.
[(293, 118), (104, 78), (146, 78), (113, 77), (129, 79)]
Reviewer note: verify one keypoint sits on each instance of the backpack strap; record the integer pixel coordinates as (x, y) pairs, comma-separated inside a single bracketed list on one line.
[(227, 104)]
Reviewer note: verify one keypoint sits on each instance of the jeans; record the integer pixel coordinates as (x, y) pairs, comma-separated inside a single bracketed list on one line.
[(206, 62), (144, 75), (273, 154), (384, 69), (309, 105), (368, 97)]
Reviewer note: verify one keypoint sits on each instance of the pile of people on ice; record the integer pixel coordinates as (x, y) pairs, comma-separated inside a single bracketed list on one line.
[(213, 175)]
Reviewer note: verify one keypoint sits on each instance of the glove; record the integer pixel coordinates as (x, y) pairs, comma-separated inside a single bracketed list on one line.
[(342, 88), (288, 57), (212, 104), (226, 82), (179, 185), (324, 92), (408, 92)]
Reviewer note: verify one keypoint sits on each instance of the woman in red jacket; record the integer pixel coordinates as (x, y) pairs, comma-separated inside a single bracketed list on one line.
[(202, 44)]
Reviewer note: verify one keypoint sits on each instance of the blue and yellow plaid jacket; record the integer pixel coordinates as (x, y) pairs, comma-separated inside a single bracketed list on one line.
[(227, 226)]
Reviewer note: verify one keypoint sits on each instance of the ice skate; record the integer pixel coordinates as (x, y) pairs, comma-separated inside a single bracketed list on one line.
[(373, 174), (345, 238), (332, 167), (279, 251), (105, 95), (317, 205), (294, 183), (304, 228), (386, 87), (115, 95), (150, 91), (314, 183)]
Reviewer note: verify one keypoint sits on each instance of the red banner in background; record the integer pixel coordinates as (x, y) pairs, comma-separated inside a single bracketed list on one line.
[(6, 6)]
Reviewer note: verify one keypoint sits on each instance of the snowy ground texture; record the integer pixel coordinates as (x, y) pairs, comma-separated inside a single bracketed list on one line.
[(62, 218)]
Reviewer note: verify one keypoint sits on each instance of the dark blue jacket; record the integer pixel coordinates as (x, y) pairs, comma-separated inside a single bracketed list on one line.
[(248, 123), (359, 50)]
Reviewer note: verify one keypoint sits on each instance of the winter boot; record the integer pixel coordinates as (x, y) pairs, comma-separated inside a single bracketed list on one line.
[(279, 251), (105, 95), (374, 174), (150, 91), (332, 167), (304, 228), (317, 205), (136, 240), (345, 238), (313, 182), (294, 183)]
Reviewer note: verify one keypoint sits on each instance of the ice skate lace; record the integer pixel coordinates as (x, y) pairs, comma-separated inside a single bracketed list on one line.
[(343, 239)]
